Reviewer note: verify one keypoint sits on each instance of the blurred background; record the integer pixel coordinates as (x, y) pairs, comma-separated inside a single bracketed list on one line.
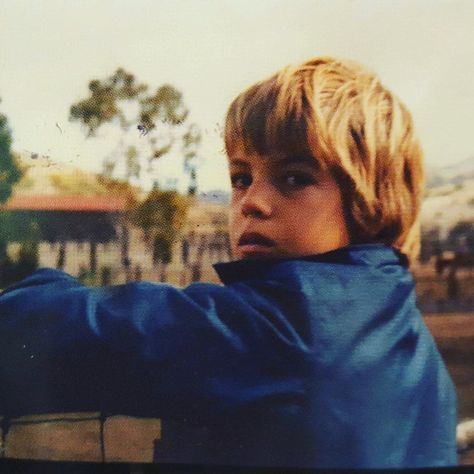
[(111, 117)]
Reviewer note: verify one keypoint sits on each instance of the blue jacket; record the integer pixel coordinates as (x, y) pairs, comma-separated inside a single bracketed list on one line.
[(321, 361)]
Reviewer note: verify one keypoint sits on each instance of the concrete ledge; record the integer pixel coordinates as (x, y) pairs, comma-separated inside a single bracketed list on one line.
[(130, 439), (80, 437), (48, 438)]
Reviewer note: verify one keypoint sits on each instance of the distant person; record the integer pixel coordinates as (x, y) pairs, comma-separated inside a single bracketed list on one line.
[(137, 272), (313, 352), (106, 276), (202, 247), (61, 255), (185, 251), (452, 284), (196, 272), (462, 246)]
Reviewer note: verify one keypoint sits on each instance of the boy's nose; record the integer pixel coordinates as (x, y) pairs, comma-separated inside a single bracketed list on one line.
[(257, 201)]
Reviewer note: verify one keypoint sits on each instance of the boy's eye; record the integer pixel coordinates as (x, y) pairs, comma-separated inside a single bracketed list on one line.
[(296, 180), (240, 180)]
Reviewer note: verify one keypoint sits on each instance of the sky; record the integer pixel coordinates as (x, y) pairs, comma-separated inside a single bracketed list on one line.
[(211, 50)]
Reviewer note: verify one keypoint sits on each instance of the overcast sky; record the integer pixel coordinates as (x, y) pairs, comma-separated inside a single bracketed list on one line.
[(212, 49)]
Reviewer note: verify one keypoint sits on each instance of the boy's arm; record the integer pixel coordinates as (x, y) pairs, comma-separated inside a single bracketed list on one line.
[(139, 349)]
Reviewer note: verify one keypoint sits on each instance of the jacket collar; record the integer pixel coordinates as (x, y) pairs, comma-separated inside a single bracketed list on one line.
[(360, 254)]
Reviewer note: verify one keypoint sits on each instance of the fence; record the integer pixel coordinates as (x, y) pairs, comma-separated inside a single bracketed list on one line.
[(442, 294), (192, 260)]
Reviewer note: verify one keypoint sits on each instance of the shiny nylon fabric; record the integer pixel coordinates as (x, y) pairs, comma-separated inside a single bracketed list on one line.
[(321, 361)]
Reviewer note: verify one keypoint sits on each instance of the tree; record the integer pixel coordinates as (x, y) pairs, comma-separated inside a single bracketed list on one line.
[(430, 243), (461, 235), (10, 173), (191, 141), (142, 118), (147, 127), (11, 227), (161, 216)]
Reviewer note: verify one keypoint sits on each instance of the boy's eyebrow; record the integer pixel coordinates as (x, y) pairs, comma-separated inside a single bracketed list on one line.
[(299, 160), (238, 162), (307, 160)]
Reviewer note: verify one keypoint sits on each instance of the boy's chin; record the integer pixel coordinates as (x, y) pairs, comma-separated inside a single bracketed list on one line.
[(257, 257), (260, 255), (274, 255)]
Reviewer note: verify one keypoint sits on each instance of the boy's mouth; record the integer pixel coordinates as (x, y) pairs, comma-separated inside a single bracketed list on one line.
[(255, 244)]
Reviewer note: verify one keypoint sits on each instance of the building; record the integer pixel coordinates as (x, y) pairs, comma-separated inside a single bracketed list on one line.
[(89, 237)]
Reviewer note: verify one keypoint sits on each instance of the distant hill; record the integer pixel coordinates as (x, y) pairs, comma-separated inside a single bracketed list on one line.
[(449, 196), (43, 176), (214, 197), (455, 173)]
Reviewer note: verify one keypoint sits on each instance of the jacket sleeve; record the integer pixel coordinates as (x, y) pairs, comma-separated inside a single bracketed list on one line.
[(139, 349)]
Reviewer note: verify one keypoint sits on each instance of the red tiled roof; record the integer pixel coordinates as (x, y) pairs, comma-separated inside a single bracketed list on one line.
[(53, 202)]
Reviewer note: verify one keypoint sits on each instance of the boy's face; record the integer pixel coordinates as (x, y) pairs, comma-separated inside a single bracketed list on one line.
[(283, 208)]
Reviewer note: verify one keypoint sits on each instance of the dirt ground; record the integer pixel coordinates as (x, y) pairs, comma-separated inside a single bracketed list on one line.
[(454, 335)]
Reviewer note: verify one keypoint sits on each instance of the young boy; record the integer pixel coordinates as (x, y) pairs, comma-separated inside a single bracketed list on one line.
[(313, 352)]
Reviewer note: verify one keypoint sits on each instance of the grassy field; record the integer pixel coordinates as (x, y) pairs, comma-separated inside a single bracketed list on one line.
[(454, 335)]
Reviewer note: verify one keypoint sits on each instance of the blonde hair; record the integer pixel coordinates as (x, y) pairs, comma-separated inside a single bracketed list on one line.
[(339, 113)]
